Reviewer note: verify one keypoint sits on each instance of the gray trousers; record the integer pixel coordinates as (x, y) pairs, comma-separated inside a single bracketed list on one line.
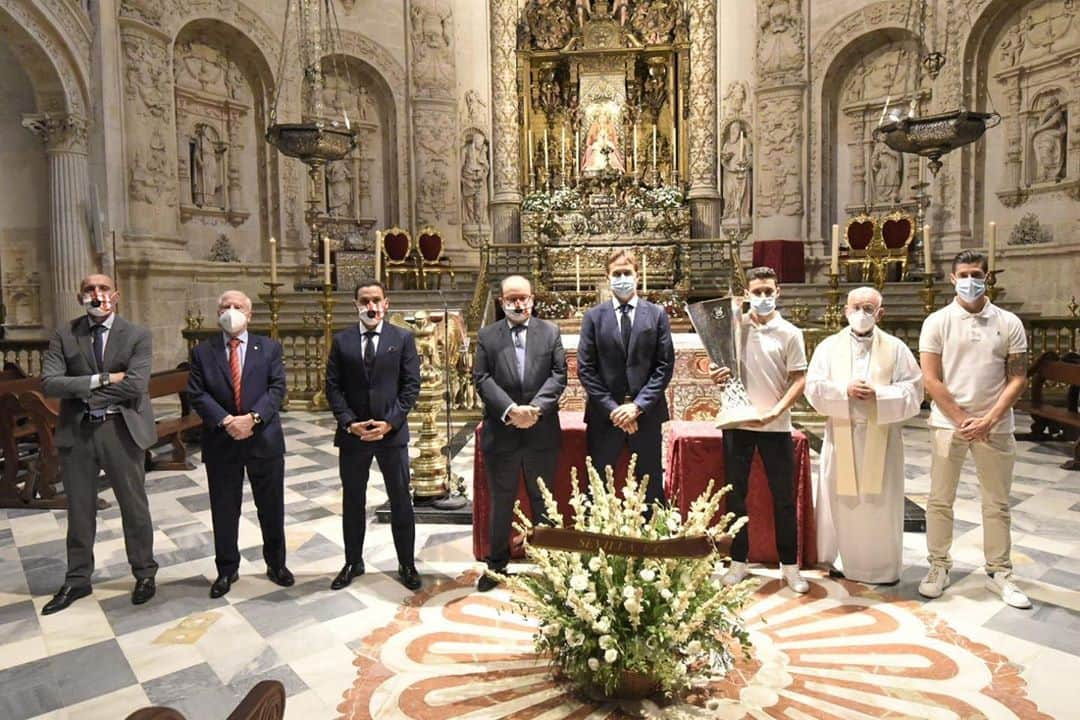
[(105, 446)]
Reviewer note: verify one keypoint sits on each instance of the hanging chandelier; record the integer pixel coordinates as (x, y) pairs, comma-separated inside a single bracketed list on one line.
[(317, 138), (932, 136)]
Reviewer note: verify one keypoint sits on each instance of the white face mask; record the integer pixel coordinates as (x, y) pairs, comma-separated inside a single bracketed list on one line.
[(370, 318), (232, 321), (861, 322), (518, 313), (623, 286), (762, 305), (970, 288), (98, 304)]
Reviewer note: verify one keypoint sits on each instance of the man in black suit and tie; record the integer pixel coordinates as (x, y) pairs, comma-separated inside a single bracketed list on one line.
[(237, 385), (372, 382), (99, 367), (520, 373), (625, 362)]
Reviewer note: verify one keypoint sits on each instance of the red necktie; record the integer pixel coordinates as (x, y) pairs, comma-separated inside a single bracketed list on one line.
[(234, 368)]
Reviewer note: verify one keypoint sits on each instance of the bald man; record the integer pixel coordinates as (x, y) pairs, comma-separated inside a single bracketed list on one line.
[(237, 385), (99, 367), (520, 373), (866, 383)]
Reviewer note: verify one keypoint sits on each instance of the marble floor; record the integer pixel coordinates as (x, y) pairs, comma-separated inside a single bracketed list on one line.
[(348, 653)]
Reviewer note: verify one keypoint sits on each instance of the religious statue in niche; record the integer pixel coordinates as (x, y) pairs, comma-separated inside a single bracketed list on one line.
[(475, 167), (602, 142), (654, 21), (885, 171), (736, 153), (1048, 142), (339, 189), (205, 158), (780, 39)]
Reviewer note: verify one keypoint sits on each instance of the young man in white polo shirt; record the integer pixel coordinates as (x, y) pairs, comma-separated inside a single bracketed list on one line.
[(974, 363), (773, 369)]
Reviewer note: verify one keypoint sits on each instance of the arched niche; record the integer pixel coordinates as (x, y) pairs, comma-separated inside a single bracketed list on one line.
[(1022, 59), (871, 77), (226, 175)]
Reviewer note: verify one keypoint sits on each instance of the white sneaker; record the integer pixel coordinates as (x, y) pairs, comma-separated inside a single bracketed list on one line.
[(736, 573), (935, 582), (1001, 584), (794, 580)]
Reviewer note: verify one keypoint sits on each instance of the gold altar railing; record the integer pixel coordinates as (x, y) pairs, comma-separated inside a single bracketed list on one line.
[(27, 354)]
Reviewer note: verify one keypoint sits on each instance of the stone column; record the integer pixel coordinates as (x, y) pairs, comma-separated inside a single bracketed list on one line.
[(780, 109), (857, 121), (704, 194), (505, 145), (70, 258)]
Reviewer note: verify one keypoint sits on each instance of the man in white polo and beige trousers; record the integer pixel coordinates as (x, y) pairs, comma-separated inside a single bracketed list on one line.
[(974, 362)]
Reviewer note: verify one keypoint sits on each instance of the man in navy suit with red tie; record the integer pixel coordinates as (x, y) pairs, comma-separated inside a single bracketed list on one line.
[(625, 362), (237, 386), (372, 383)]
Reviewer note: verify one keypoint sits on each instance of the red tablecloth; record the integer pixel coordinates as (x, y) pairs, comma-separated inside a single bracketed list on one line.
[(783, 256), (695, 455)]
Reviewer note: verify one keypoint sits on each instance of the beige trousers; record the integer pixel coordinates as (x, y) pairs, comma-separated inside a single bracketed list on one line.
[(994, 460)]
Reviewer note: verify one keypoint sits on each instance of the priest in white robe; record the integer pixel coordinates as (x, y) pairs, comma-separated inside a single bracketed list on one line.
[(866, 383)]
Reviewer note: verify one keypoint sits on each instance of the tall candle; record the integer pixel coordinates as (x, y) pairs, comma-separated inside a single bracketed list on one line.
[(378, 255), (547, 163), (326, 260), (644, 273), (273, 259), (834, 256), (530, 156), (635, 146), (742, 146), (562, 150), (992, 249), (577, 154), (577, 271), (928, 251), (674, 150), (654, 146)]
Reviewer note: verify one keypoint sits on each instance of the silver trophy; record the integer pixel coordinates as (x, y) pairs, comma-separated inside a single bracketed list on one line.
[(719, 324)]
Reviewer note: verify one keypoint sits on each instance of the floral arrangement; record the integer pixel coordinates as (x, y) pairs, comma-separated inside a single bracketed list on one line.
[(670, 300), (566, 198), (1029, 231), (665, 197), (610, 622), (554, 306), (536, 201)]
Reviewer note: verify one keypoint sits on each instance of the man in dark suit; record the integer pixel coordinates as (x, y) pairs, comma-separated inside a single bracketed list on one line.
[(372, 382), (520, 373), (237, 385), (99, 367), (625, 362)]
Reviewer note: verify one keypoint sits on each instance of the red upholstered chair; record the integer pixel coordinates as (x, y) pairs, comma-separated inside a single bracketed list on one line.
[(398, 257), (897, 231), (432, 262), (859, 234)]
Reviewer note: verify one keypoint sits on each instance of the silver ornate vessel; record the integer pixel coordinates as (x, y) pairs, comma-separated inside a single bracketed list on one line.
[(719, 325), (935, 135)]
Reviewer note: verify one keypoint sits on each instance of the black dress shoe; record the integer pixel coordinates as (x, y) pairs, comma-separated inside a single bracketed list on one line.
[(64, 597), (348, 572), (223, 584), (486, 583), (144, 590), (836, 574), (409, 577), (280, 576)]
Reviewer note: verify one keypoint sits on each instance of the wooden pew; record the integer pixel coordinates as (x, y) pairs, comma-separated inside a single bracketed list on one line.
[(265, 701), (171, 430), (1051, 421)]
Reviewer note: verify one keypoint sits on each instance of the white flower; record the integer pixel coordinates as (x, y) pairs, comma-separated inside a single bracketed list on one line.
[(611, 655), (629, 591), (606, 641), (552, 630), (594, 563), (673, 521), (602, 625), (665, 593), (579, 582), (589, 597), (594, 664), (632, 606), (694, 648), (648, 574), (574, 638)]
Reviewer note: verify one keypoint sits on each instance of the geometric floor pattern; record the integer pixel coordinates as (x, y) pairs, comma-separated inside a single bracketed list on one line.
[(103, 657)]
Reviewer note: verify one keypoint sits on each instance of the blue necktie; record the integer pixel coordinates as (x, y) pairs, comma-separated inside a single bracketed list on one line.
[(519, 350)]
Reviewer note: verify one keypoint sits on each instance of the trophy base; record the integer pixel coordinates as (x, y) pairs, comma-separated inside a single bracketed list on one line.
[(733, 417)]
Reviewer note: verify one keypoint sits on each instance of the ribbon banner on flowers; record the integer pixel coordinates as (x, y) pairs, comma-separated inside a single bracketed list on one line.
[(578, 541)]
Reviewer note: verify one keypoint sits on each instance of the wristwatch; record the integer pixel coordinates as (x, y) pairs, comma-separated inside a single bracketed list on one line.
[(103, 379), (256, 417)]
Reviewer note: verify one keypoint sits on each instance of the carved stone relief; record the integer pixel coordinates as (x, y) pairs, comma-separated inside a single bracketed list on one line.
[(475, 171), (549, 23), (780, 170), (781, 46), (736, 154), (434, 148), (433, 47), (702, 120), (22, 295), (653, 22), (1048, 141)]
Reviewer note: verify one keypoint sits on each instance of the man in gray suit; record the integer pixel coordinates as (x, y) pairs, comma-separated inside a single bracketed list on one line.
[(520, 373), (99, 367)]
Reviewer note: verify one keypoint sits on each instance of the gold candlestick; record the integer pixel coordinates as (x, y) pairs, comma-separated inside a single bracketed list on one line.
[(274, 303), (326, 302), (928, 293), (833, 310), (992, 290)]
